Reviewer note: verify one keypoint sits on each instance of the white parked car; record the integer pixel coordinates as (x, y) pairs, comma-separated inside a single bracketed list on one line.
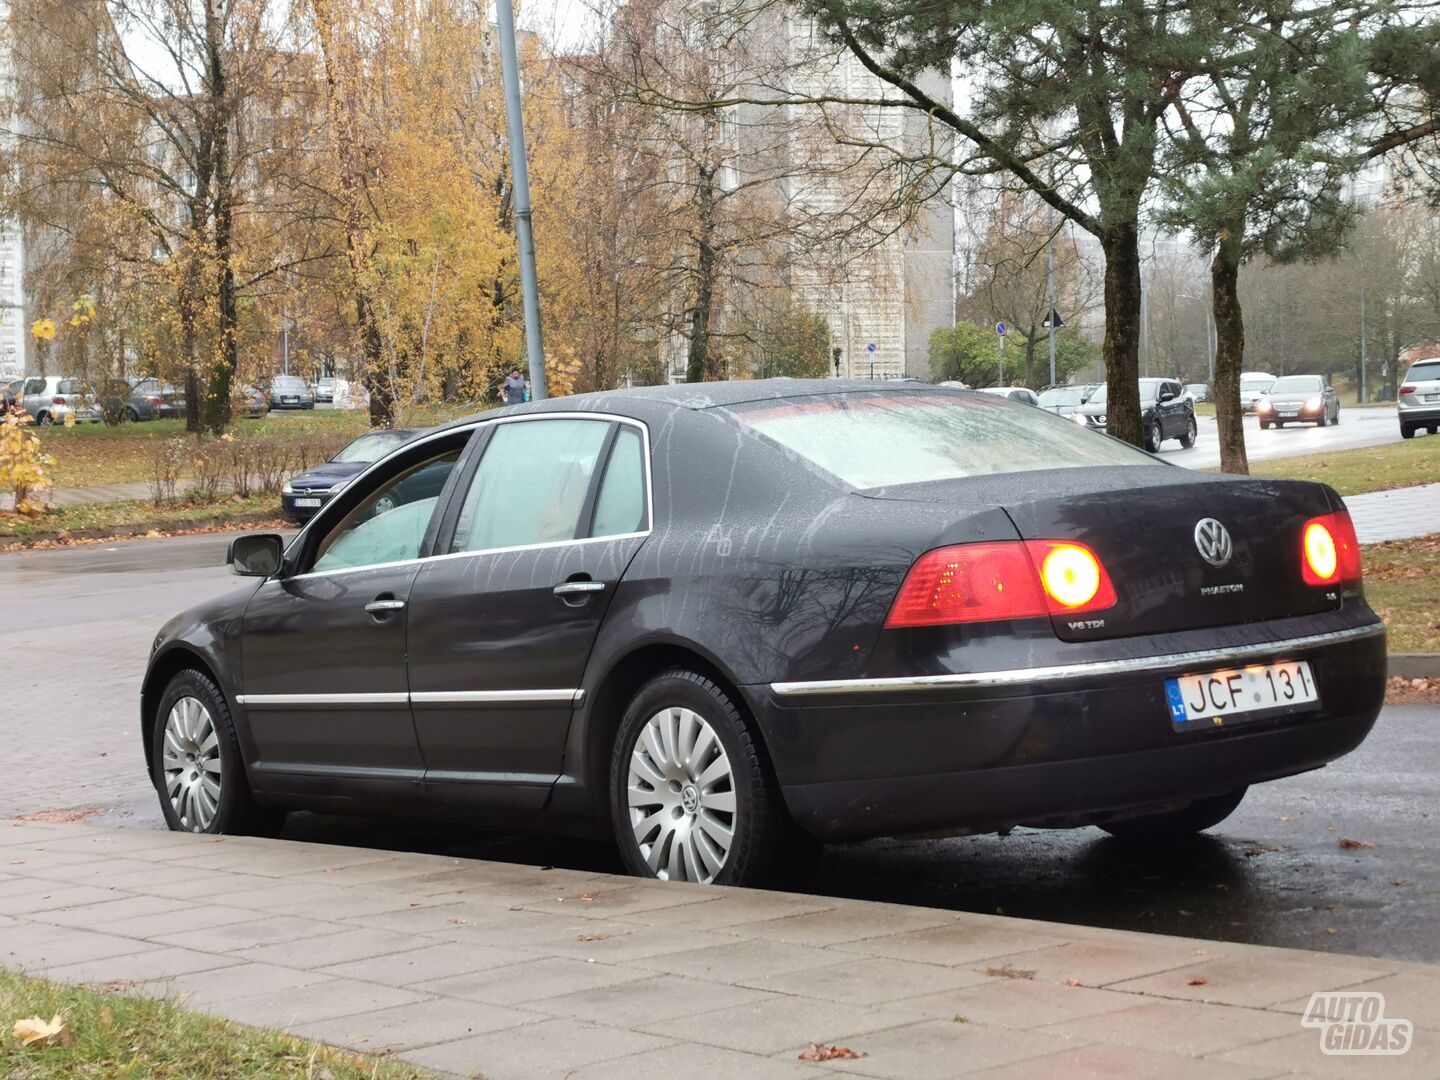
[(1419, 399)]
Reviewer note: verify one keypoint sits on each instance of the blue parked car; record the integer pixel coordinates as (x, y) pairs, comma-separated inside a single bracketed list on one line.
[(306, 492)]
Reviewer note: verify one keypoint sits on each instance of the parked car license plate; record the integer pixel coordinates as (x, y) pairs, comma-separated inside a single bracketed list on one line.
[(1212, 699), (307, 502), (1289, 412), (1431, 397), (290, 400)]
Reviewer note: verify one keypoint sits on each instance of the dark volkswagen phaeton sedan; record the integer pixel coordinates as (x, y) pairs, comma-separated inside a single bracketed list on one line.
[(727, 621)]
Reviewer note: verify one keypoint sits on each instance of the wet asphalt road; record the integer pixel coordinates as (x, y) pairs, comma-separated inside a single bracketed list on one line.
[(80, 621)]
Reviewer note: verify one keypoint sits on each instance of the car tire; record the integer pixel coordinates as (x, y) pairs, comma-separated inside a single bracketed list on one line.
[(201, 781), (44, 419), (664, 766), (132, 416), (1406, 431), (1200, 815), (1192, 430), (1154, 437)]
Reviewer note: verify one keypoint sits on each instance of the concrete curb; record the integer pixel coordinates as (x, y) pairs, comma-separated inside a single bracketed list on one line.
[(1415, 665)]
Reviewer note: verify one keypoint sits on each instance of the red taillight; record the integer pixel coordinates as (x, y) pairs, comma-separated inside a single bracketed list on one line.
[(1407, 389), (1005, 580), (59, 401), (1329, 550)]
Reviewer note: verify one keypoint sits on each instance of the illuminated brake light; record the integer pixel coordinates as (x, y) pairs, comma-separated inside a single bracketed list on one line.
[(1329, 550), (1013, 579), (1072, 576)]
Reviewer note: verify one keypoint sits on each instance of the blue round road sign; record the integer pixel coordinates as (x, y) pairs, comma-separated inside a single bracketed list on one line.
[(870, 347), (1000, 328)]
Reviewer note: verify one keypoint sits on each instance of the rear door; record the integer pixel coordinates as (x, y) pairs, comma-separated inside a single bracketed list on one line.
[(536, 540)]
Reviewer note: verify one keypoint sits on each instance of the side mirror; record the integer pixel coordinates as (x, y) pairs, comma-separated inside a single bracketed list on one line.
[(1167, 395), (256, 554)]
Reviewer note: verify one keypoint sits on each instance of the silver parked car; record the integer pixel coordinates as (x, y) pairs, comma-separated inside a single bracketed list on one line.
[(1419, 398), (1014, 393), (290, 392), (51, 398)]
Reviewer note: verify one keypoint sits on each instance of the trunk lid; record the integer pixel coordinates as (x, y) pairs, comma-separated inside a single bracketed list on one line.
[(1144, 524)]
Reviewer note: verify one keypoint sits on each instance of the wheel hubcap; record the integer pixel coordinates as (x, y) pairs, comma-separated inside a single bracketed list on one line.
[(190, 761), (681, 797)]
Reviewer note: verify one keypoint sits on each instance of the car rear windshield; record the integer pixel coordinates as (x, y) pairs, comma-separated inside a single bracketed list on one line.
[(1298, 384), (1424, 372), (871, 440), (1261, 384)]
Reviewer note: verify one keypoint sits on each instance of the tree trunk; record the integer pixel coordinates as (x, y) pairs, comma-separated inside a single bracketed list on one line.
[(1121, 245), (698, 361), (227, 357), (1229, 349)]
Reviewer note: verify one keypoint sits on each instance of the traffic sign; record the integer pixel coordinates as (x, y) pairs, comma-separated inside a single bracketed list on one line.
[(870, 347), (1000, 328)]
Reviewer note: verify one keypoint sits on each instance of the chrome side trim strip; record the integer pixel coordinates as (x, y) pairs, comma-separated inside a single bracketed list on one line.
[(441, 697), (499, 697), (1062, 672), (272, 701)]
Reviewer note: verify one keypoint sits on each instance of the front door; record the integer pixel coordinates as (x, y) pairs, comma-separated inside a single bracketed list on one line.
[(503, 620), (323, 649)]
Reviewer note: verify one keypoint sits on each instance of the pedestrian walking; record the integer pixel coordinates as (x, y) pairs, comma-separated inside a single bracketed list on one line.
[(514, 391)]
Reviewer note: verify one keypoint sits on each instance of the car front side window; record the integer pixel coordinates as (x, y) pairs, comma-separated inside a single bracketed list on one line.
[(389, 526)]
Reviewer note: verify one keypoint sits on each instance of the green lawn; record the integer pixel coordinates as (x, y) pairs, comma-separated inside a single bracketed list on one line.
[(1402, 584), (131, 518), (88, 455), (120, 1037), (1373, 468)]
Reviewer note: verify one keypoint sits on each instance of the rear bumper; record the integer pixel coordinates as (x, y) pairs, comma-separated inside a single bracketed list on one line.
[(1062, 745), (1419, 414)]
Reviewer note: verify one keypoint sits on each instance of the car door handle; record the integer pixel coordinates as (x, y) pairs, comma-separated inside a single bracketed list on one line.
[(579, 588), (384, 607)]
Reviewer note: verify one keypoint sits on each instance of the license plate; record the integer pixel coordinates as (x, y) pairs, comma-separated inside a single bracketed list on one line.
[(307, 502), (1430, 397), (289, 400), (1289, 412), (1217, 698)]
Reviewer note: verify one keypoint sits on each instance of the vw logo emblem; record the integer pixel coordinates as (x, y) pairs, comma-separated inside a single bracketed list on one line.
[(1213, 542)]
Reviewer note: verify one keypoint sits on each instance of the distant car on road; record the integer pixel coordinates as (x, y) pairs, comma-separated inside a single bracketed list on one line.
[(290, 392), (251, 402), (1063, 400), (51, 398), (1166, 412), (1299, 399), (1013, 393), (1013, 621), (309, 491), (325, 390), (1419, 405), (1253, 386), (1198, 390)]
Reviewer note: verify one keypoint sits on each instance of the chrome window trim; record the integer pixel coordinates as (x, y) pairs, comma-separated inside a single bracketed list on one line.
[(1063, 672), (428, 697), (606, 417)]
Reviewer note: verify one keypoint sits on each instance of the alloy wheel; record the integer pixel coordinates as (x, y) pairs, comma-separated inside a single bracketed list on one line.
[(680, 794), (190, 761)]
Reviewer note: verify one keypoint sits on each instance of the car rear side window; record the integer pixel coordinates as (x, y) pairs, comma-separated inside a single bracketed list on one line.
[(530, 486), (620, 506), (871, 440), (34, 386)]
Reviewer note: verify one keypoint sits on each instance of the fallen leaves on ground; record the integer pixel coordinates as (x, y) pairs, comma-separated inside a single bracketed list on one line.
[(1346, 844), (34, 1030), (820, 1052), (1005, 971), (62, 817), (1402, 691)]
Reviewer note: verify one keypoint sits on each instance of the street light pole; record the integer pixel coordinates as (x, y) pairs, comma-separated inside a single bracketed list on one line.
[(520, 173), (1050, 284)]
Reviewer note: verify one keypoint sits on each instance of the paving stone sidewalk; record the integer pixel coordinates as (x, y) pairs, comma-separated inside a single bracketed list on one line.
[(1396, 514), (511, 972)]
